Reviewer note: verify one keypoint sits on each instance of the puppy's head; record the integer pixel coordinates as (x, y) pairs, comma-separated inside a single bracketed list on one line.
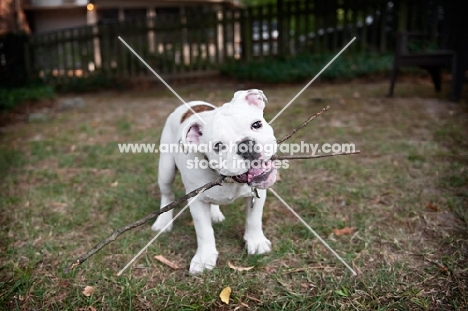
[(237, 141)]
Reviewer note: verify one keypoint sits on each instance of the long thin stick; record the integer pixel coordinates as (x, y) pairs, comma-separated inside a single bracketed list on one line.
[(306, 156), (217, 182), (159, 233), (302, 125), (313, 231), (118, 232)]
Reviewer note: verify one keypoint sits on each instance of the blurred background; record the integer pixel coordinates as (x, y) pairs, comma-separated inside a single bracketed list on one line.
[(71, 92), (73, 44)]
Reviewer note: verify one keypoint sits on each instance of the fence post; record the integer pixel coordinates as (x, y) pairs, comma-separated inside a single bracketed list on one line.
[(27, 59), (383, 32), (270, 18), (225, 33), (96, 47), (247, 33), (65, 38), (282, 36), (363, 42), (402, 17)]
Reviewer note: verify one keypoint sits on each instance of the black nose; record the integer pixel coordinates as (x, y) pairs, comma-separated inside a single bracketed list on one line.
[(247, 150)]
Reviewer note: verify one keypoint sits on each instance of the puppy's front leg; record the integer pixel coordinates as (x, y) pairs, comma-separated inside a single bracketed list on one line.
[(256, 241), (206, 255)]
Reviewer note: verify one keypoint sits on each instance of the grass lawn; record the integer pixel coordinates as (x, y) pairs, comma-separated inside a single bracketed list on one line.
[(64, 187)]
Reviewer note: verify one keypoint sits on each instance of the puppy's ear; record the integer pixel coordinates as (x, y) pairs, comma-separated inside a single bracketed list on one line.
[(256, 98), (191, 133), (253, 97)]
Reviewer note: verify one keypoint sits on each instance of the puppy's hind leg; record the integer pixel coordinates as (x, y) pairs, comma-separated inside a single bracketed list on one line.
[(166, 174)]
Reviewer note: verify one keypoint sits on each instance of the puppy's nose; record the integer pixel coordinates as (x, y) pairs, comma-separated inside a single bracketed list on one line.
[(247, 150)]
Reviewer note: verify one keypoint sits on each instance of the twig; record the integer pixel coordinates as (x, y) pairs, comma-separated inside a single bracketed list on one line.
[(303, 125), (306, 156), (118, 232), (217, 182)]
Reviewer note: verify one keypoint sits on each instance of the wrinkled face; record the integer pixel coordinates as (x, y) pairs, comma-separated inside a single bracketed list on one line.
[(239, 142)]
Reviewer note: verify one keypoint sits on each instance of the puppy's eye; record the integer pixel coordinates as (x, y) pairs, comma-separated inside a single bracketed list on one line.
[(219, 146), (257, 125)]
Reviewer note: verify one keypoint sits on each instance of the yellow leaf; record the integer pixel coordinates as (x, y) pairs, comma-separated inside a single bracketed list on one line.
[(239, 268), (114, 184), (225, 294), (167, 262), (88, 291)]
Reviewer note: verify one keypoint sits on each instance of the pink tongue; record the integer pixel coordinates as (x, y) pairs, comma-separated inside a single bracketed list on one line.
[(254, 172)]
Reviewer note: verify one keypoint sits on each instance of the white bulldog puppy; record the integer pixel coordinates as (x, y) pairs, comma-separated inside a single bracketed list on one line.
[(237, 142)]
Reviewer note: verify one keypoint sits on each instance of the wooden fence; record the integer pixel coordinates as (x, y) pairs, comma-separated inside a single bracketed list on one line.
[(169, 44), (198, 40)]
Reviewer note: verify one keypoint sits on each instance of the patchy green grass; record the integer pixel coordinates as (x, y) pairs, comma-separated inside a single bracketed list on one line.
[(65, 187), (10, 97)]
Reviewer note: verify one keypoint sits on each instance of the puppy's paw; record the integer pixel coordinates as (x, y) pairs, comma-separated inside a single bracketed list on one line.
[(203, 261), (216, 215), (257, 245), (161, 222)]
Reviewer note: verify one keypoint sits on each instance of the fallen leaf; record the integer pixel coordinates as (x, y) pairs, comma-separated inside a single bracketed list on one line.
[(59, 204), (344, 231), (91, 308), (88, 291), (167, 262), (432, 207), (114, 184), (225, 294), (239, 268)]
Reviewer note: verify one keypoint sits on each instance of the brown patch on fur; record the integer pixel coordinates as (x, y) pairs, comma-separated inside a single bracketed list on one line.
[(197, 109)]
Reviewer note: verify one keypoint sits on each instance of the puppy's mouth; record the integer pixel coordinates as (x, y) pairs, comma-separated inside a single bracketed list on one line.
[(256, 175)]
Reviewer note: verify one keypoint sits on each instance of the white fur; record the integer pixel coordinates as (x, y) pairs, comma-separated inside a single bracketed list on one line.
[(229, 123)]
